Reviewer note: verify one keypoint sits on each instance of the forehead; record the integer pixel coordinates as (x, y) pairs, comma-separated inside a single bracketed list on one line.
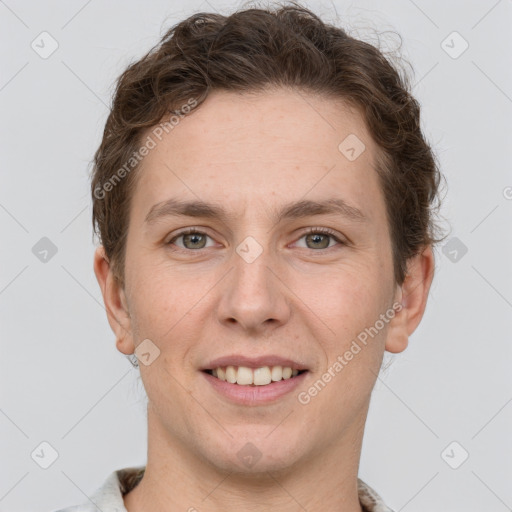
[(261, 150)]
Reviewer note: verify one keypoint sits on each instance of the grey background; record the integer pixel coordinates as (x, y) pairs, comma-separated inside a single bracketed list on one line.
[(63, 382)]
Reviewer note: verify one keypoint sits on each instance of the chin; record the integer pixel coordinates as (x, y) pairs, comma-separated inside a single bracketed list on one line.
[(256, 450)]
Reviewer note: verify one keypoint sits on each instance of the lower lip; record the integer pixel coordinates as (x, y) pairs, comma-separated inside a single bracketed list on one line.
[(255, 395)]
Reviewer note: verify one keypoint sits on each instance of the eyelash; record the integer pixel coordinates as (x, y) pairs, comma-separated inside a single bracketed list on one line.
[(322, 231)]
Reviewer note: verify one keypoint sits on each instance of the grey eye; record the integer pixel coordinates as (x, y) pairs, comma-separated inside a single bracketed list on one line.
[(191, 240), (319, 240), (196, 240)]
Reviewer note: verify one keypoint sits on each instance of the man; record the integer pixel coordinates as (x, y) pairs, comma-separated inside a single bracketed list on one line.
[(264, 198)]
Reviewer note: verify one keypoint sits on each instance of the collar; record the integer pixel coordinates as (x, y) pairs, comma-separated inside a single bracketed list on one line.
[(109, 497)]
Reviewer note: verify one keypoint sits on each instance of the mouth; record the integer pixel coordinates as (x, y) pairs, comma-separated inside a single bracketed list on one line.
[(262, 376)]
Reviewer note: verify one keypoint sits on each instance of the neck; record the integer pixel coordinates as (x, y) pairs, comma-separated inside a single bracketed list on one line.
[(176, 479)]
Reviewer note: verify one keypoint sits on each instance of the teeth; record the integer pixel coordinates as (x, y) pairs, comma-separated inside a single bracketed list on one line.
[(245, 376), (231, 373), (277, 373), (261, 376)]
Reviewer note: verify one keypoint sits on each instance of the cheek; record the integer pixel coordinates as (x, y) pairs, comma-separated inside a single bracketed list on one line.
[(352, 309), (169, 312), (160, 301), (353, 354), (350, 299)]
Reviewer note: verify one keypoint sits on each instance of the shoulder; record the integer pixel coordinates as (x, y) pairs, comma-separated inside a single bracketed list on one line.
[(370, 499), (109, 496), (79, 508)]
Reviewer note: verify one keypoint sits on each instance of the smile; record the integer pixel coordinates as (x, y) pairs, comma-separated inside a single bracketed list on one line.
[(251, 394), (245, 376)]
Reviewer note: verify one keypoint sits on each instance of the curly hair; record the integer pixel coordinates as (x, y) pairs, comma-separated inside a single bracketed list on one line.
[(248, 51)]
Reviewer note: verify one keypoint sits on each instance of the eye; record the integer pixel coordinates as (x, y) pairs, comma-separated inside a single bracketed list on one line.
[(318, 238), (192, 239)]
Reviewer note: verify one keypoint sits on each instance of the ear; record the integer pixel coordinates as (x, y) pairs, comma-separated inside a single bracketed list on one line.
[(115, 302), (413, 296)]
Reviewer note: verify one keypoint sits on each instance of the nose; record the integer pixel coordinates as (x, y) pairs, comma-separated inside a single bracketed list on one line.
[(253, 295)]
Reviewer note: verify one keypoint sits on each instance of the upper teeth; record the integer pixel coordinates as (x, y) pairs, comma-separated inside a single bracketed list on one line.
[(257, 376)]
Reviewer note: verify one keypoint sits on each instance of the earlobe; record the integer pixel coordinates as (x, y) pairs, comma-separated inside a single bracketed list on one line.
[(115, 302), (412, 295), (397, 337)]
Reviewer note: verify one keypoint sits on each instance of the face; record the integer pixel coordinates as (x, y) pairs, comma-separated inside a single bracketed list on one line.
[(284, 261)]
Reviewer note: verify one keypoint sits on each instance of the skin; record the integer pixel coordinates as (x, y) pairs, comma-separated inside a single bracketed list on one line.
[(252, 154)]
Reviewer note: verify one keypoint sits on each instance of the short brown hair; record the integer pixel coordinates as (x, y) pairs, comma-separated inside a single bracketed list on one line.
[(251, 49)]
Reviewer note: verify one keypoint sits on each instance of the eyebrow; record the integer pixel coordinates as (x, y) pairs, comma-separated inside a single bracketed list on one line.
[(296, 210)]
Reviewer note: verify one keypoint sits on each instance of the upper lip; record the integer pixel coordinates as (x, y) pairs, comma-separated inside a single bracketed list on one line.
[(254, 362)]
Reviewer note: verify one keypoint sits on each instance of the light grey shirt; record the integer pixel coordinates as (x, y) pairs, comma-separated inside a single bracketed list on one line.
[(109, 497)]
